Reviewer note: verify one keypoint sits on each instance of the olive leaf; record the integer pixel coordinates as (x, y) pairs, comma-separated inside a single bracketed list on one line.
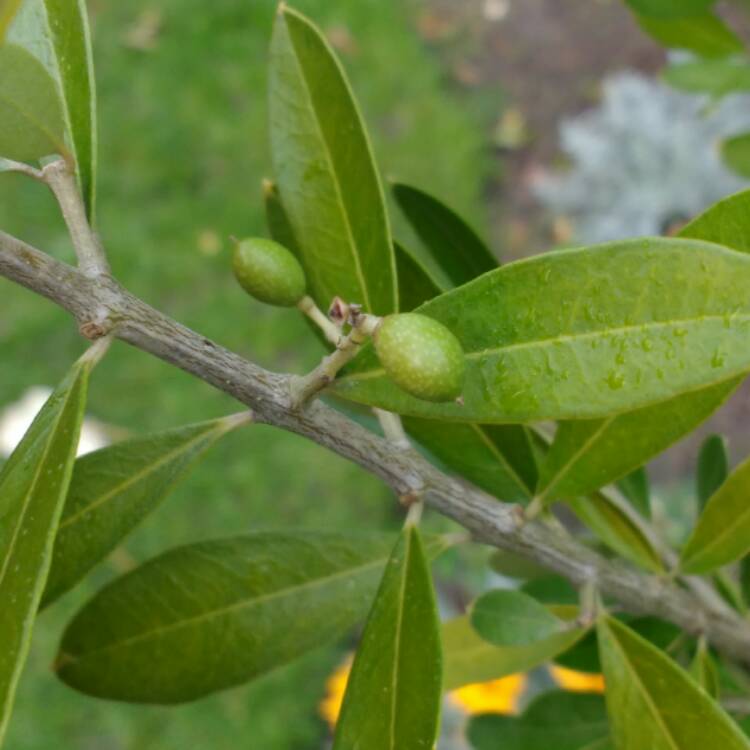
[(115, 488), (712, 468), (57, 33), (716, 77), (735, 152), (702, 33), (31, 115), (722, 534), (653, 703), (325, 171), (240, 607), (469, 658), (584, 333), (704, 670), (635, 487), (33, 484), (559, 720), (670, 8), (457, 250), (393, 694), (415, 283)]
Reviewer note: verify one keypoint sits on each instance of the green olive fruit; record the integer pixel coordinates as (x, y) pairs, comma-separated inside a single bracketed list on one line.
[(421, 356), (269, 272)]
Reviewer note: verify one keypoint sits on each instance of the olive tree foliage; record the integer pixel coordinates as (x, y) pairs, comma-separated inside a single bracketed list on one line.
[(624, 348)]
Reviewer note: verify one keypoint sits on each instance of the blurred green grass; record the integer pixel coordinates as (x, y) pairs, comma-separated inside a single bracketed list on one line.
[(182, 154)]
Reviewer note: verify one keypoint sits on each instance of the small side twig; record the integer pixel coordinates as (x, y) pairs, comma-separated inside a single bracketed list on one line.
[(8, 165), (304, 387), (62, 182), (330, 330), (393, 429)]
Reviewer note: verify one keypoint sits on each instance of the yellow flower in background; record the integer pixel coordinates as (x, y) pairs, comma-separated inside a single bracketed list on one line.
[(501, 696), (577, 682), (330, 706)]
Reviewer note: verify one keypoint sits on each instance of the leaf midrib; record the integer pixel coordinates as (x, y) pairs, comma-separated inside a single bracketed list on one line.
[(397, 640), (566, 338), (41, 128), (487, 440), (353, 247), (137, 477)]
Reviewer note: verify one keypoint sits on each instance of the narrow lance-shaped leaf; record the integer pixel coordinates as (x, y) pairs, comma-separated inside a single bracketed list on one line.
[(713, 468), (240, 607), (455, 247), (33, 483), (702, 33), (715, 77), (469, 658), (277, 219), (704, 670), (393, 695), (325, 171), (635, 487), (31, 115), (68, 28), (415, 284), (559, 720), (653, 703), (670, 8), (735, 152), (618, 528), (584, 333), (115, 488), (588, 454), (722, 534), (512, 618)]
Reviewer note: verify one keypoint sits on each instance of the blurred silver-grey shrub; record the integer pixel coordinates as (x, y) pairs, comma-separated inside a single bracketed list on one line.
[(645, 157)]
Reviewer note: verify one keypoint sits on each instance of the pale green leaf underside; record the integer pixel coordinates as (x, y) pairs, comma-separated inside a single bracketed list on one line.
[(468, 658), (325, 171), (653, 703), (393, 695), (33, 483), (31, 116), (240, 607), (585, 333)]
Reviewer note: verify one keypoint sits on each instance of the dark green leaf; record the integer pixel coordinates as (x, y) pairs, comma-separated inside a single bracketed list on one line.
[(512, 618), (670, 8), (715, 77), (722, 534), (713, 468), (393, 695), (31, 114), (559, 720), (584, 333), (115, 488), (653, 703), (33, 483), (68, 26), (617, 528), (588, 454), (702, 33), (736, 154), (469, 658), (452, 243), (725, 223), (635, 487), (551, 589), (325, 171), (704, 670), (415, 285), (239, 607), (497, 458)]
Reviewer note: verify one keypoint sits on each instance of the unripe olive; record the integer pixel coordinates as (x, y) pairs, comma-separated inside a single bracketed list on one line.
[(421, 356), (269, 272)]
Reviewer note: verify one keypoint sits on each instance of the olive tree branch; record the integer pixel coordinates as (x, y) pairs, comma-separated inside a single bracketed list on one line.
[(100, 305)]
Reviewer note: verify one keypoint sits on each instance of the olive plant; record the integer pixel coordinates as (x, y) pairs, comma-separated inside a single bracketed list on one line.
[(505, 395)]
